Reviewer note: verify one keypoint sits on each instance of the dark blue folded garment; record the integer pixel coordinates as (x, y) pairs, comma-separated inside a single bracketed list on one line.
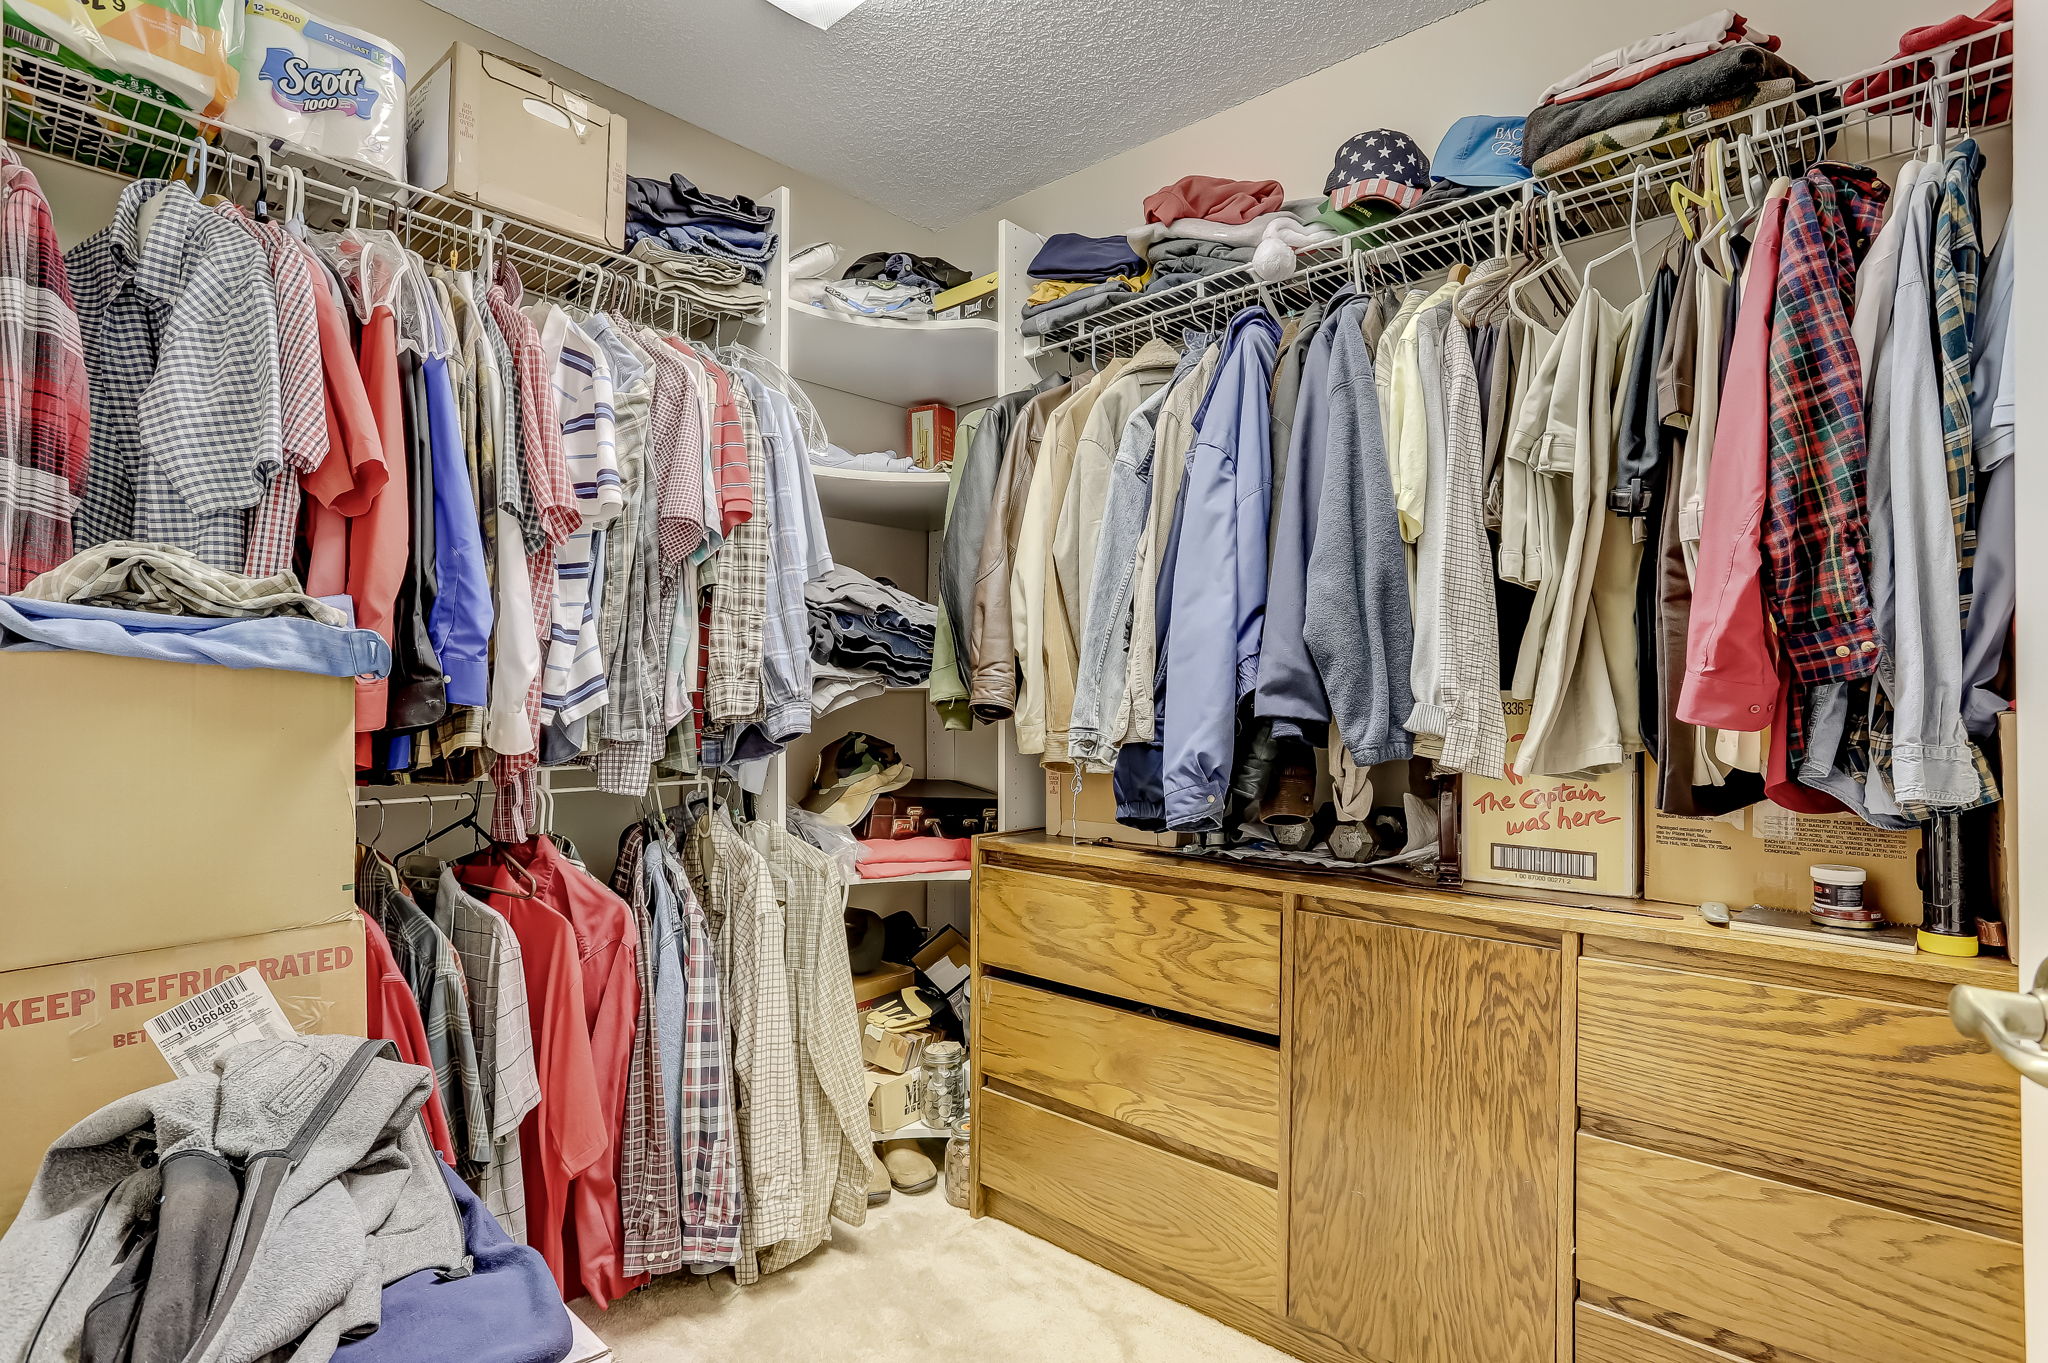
[(674, 201), (506, 1311), (1069, 255)]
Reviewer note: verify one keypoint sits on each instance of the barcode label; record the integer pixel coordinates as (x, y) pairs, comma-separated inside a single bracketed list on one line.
[(240, 1008), (28, 38), (1545, 861)]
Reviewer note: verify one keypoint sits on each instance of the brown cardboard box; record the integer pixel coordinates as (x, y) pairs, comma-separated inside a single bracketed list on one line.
[(893, 1051), (1761, 855), (71, 1038), (931, 429), (884, 981), (497, 132), (1551, 833), (943, 961), (894, 1100), (1091, 814), (150, 804)]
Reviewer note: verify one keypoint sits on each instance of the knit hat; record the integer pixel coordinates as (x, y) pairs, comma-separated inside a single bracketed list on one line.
[(1381, 166), (1482, 151)]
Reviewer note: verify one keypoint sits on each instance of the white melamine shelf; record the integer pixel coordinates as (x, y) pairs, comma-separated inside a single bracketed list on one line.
[(909, 501), (916, 1131), (922, 878), (900, 363)]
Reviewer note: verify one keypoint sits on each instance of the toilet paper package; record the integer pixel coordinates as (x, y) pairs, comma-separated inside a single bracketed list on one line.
[(330, 88)]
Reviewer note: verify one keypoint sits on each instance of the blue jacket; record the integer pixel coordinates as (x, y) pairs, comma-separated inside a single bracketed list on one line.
[(1219, 581), (286, 644)]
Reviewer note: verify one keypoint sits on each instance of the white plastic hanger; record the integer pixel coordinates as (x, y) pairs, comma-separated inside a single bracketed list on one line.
[(1632, 244), (1549, 267)]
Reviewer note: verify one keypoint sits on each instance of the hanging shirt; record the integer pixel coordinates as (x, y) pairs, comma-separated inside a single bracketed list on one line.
[(739, 597), (44, 439), (1994, 418), (393, 1015), (794, 558), (648, 1207)]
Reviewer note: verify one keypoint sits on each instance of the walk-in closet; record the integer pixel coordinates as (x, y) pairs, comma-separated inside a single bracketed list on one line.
[(842, 678)]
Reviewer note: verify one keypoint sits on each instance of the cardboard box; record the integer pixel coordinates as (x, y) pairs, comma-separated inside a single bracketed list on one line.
[(971, 299), (943, 961), (931, 435), (894, 1052), (71, 1036), (1089, 815), (1552, 833), (150, 804), (894, 1100), (884, 981), (1761, 855), (497, 132)]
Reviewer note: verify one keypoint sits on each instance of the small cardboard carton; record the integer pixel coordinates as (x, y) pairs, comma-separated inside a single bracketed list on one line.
[(1550, 832), (894, 1100), (1764, 855)]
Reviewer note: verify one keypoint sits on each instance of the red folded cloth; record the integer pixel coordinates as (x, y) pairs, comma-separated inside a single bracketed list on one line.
[(922, 851), (894, 869), (1225, 201), (1987, 101)]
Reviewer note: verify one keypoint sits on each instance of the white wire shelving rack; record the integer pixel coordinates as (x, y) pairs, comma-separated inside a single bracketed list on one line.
[(56, 111), (1934, 99)]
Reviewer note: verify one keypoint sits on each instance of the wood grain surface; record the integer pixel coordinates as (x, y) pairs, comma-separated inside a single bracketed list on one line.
[(1856, 1096), (1181, 951), (1212, 1228), (1605, 1337), (1196, 1088), (1801, 1274), (1424, 1143)]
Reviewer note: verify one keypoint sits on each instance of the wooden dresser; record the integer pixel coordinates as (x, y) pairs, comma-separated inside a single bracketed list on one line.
[(1369, 1125)]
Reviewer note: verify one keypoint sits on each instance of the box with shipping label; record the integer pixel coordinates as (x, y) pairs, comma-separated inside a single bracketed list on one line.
[(1764, 855), (1088, 813), (931, 435), (894, 1100), (499, 133), (72, 1037), (1573, 834), (971, 299), (155, 803)]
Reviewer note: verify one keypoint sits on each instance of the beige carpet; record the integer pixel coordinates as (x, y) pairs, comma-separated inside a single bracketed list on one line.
[(922, 1280)]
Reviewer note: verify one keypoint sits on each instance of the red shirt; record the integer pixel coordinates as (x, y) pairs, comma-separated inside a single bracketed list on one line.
[(347, 481), (567, 1133), (394, 1016), (732, 479), (606, 943), (379, 539)]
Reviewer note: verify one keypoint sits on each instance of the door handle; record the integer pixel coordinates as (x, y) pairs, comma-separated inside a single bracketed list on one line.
[(2010, 1023)]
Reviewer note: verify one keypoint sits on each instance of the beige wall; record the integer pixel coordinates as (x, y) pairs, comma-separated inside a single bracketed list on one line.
[(1494, 58)]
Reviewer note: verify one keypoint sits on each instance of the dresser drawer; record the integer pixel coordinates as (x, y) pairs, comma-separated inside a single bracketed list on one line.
[(1209, 957), (1869, 1098), (1187, 1086), (1179, 1218), (1601, 1336), (1708, 1253)]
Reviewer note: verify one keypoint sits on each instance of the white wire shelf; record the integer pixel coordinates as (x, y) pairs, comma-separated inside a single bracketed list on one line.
[(1590, 200), (60, 112)]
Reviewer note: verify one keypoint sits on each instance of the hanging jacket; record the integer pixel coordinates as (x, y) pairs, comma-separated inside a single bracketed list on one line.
[(253, 1212)]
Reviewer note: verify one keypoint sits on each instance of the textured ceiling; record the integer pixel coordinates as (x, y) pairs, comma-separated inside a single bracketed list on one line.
[(937, 109)]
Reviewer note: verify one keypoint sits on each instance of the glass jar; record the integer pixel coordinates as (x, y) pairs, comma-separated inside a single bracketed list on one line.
[(945, 1084), (959, 1175)]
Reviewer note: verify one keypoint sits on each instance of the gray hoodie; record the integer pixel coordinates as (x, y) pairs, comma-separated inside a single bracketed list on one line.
[(307, 1153)]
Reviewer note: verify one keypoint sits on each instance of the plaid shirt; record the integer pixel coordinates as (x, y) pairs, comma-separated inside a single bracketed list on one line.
[(733, 883), (181, 342), (1958, 264), (1815, 535), (647, 1169), (43, 426), (552, 504), (792, 561), (739, 599), (831, 1087), (301, 392)]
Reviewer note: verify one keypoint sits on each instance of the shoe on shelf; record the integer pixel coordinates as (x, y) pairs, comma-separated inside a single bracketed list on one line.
[(910, 1169), (878, 1184)]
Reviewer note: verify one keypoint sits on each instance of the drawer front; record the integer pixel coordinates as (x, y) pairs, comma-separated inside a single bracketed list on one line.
[(1875, 1100), (1185, 1085), (1711, 1254), (1207, 957), (1601, 1336), (1205, 1226)]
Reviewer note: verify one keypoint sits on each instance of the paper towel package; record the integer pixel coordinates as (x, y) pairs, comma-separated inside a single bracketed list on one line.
[(334, 90), (177, 51), (497, 132)]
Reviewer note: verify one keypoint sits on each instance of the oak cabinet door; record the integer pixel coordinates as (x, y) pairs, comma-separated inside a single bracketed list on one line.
[(1424, 1143)]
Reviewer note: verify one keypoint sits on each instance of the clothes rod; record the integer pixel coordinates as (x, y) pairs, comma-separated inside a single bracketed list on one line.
[(373, 801)]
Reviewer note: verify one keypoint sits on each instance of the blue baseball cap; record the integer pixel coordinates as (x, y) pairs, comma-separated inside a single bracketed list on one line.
[(1482, 150)]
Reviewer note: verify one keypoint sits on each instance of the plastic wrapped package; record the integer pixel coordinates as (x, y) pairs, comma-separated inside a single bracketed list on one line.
[(335, 90)]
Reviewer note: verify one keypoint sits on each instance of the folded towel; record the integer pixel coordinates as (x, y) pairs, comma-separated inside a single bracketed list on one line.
[(883, 851), (897, 869)]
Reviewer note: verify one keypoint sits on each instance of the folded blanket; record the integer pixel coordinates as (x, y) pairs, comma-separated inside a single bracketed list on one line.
[(1721, 28), (1732, 73), (913, 851), (895, 870), (1273, 237)]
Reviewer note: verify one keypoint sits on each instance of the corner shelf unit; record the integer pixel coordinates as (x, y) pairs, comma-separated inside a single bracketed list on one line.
[(862, 374)]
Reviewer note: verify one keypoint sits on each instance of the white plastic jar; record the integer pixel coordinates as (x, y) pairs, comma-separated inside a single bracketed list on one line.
[(1838, 900)]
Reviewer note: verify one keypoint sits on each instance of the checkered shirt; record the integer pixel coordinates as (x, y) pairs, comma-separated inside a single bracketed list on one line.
[(647, 1166), (1815, 536), (301, 392), (1958, 265), (831, 1084), (44, 436), (739, 599), (180, 337), (733, 883)]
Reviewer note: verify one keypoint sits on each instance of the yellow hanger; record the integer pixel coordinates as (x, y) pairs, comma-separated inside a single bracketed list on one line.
[(1684, 197)]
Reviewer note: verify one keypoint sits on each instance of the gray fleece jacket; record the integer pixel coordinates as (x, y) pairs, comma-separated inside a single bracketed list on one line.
[(300, 1164)]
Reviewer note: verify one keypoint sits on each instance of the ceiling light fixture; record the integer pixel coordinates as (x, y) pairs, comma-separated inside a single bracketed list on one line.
[(817, 13)]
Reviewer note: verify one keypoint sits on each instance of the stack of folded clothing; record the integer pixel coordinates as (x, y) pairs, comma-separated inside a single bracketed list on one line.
[(1078, 276), (689, 221), (888, 284), (1970, 102), (1200, 225), (860, 624), (881, 461), (1657, 87), (717, 285), (890, 858)]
